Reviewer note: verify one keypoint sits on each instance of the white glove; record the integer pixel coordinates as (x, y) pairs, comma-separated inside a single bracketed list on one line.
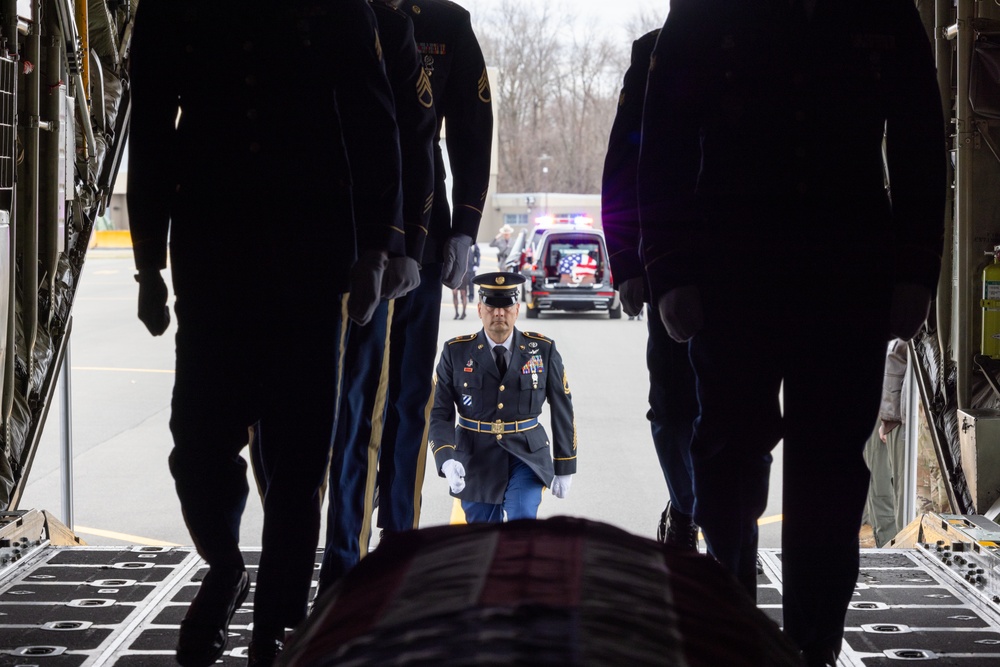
[(454, 472), (680, 310), (456, 260), (366, 285), (633, 295), (400, 277), (560, 485)]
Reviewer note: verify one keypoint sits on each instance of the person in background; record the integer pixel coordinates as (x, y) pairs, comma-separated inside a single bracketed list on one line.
[(475, 259), (502, 242), (758, 118), (243, 291), (885, 451), (498, 459), (463, 292)]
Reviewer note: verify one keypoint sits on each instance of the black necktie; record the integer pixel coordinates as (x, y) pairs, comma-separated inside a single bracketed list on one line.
[(501, 354)]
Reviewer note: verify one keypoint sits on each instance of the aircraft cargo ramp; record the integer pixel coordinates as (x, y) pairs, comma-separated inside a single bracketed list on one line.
[(936, 602)]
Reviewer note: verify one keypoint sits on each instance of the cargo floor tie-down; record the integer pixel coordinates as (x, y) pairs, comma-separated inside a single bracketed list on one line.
[(936, 602)]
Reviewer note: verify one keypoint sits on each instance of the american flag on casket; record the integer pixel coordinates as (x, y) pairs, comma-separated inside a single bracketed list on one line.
[(578, 266)]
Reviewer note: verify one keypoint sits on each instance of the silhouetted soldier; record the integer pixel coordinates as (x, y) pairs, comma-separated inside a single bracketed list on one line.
[(771, 243), (240, 121), (672, 402), (354, 461), (453, 60)]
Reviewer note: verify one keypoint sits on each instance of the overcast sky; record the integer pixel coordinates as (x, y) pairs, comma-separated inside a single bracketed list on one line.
[(614, 14)]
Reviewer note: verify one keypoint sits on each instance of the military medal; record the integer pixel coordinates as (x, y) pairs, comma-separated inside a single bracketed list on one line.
[(534, 380)]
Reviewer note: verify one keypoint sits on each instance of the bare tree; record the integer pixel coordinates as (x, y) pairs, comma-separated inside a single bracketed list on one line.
[(584, 109), (648, 18), (555, 91), (520, 41)]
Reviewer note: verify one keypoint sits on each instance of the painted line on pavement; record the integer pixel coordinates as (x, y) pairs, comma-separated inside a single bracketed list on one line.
[(124, 537)]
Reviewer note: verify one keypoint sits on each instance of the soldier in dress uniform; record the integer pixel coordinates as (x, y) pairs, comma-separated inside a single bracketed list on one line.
[(354, 460), (256, 205), (498, 458), (766, 228), (454, 63)]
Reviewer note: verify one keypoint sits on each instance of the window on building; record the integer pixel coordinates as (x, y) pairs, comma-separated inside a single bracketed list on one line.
[(515, 219)]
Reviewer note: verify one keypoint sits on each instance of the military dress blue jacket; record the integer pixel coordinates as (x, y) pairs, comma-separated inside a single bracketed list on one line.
[(468, 381), (453, 61)]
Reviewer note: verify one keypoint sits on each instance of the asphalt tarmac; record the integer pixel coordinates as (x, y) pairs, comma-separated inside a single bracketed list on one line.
[(121, 381)]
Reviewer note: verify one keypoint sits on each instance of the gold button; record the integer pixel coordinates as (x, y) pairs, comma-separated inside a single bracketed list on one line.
[(500, 406), (465, 384), (499, 437), (501, 387)]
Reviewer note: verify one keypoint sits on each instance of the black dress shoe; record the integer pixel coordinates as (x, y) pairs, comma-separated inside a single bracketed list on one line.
[(263, 652), (205, 628), (677, 529)]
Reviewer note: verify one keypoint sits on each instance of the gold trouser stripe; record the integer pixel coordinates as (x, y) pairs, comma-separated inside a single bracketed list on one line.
[(422, 457), (342, 344), (375, 441), (457, 513), (342, 350)]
